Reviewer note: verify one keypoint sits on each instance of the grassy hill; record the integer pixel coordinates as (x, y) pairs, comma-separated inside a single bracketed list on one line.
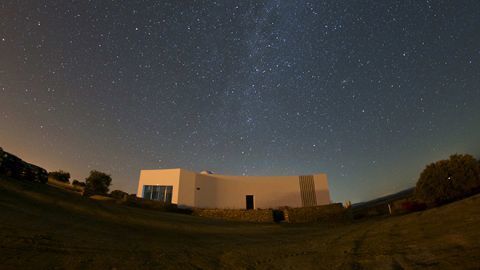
[(43, 227)]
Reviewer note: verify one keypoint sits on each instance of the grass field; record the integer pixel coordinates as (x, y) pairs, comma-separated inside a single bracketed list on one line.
[(43, 227)]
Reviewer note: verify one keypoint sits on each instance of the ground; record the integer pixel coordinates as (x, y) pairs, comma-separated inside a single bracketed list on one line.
[(43, 227)]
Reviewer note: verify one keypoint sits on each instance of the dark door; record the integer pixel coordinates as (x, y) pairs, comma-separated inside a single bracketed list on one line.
[(249, 200)]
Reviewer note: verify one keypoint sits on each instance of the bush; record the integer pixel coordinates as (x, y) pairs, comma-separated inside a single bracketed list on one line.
[(133, 201), (449, 180), (77, 183), (60, 176), (97, 183), (118, 194)]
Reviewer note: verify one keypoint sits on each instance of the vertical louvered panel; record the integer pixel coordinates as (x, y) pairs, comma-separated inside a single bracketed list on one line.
[(307, 190)]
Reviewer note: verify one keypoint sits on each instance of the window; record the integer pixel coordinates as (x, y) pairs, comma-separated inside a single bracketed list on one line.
[(147, 192), (155, 192), (168, 194), (158, 193)]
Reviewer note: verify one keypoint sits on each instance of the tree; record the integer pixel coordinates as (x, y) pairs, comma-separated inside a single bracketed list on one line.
[(449, 180), (60, 176), (97, 183)]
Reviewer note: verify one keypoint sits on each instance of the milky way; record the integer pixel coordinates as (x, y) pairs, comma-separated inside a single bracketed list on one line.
[(367, 91)]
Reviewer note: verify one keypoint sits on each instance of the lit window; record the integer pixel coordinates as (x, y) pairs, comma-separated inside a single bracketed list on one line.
[(158, 193)]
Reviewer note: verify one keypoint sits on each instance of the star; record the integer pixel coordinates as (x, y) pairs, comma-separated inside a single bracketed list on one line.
[(270, 87)]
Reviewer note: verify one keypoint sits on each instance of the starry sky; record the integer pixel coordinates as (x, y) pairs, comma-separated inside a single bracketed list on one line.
[(368, 92)]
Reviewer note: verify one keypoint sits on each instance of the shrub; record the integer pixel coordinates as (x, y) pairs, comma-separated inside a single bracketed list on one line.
[(449, 180), (133, 201), (78, 183), (60, 176), (97, 183), (118, 194)]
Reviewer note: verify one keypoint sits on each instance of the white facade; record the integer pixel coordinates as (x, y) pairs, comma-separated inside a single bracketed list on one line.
[(202, 190)]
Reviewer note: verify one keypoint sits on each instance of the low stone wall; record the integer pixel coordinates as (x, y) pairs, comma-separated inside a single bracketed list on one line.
[(329, 212), (394, 207), (406, 206), (380, 209), (260, 216)]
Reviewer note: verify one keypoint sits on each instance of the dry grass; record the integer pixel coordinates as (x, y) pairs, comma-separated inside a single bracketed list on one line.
[(63, 185), (101, 198), (43, 227)]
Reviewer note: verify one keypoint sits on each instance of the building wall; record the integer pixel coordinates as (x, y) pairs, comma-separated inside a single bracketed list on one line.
[(168, 177), (225, 191), (186, 195), (322, 191), (222, 191)]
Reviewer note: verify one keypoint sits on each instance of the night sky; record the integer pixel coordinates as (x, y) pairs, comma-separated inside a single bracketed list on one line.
[(368, 92)]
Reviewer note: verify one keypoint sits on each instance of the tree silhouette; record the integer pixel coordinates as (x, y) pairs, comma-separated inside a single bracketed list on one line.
[(449, 180), (97, 183), (60, 175)]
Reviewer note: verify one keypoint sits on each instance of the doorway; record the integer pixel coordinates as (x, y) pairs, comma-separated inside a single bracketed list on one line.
[(249, 202)]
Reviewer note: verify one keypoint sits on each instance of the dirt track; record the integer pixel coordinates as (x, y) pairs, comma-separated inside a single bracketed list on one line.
[(42, 227)]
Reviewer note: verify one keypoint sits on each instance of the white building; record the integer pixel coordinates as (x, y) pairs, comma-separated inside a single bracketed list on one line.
[(207, 190)]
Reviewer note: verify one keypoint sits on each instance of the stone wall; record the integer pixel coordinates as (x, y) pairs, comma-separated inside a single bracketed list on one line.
[(365, 211), (260, 216), (329, 212)]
